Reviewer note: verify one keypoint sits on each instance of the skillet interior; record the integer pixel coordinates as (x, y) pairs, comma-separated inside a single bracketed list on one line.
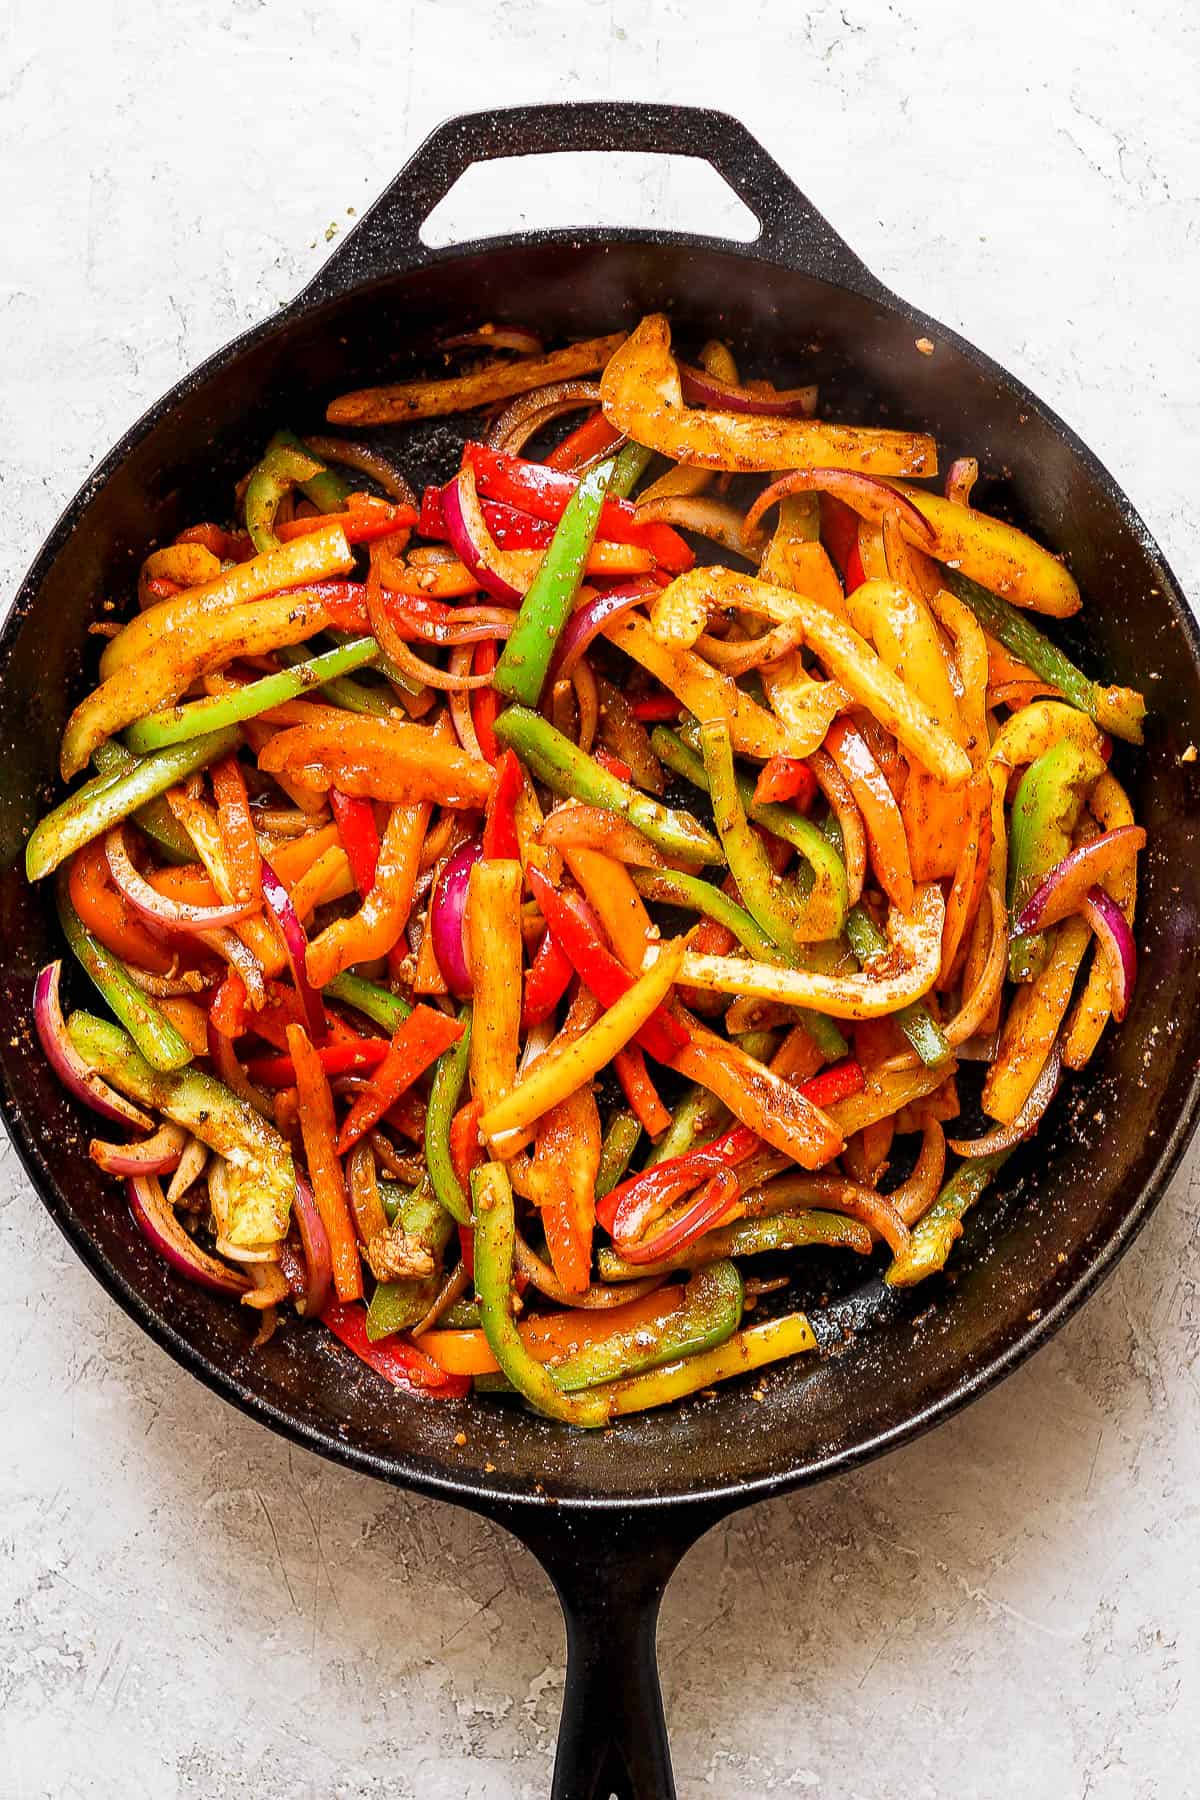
[(1062, 1213)]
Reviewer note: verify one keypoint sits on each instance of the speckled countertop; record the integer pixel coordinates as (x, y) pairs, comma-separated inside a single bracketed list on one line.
[(189, 1607)]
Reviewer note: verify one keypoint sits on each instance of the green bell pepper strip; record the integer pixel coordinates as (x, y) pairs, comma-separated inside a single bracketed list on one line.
[(616, 1151), (747, 1237), (395, 1305), (1045, 813), (565, 768), (155, 818), (283, 467), (521, 672), (350, 695), (761, 1045), (387, 668), (495, 1239), (102, 803), (707, 1316), (1115, 709), (672, 889), (448, 1078), (420, 1212), (153, 1033), (629, 465), (178, 724), (933, 1236), (698, 1118), (462, 1316), (915, 1020), (378, 1003), (822, 864), (256, 1152), (327, 490)]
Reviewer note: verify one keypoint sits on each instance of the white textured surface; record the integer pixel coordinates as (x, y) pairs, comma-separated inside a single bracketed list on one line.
[(187, 1606)]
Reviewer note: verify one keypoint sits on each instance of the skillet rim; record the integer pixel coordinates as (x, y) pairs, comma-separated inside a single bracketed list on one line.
[(473, 1487)]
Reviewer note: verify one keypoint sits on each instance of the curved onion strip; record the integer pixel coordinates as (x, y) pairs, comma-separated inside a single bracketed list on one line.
[(317, 1255), (173, 915), (368, 461), (160, 1226), (979, 1003), (472, 542), (587, 699), (702, 389), (592, 613), (916, 1195), (452, 1289), (592, 828), (469, 625), (1062, 891), (284, 822), (296, 944), (393, 646), (961, 477), (192, 1165), (230, 948), (446, 917), (495, 337), (836, 789), (1007, 1137), (398, 1166), (169, 987), (156, 1155), (1116, 945), (708, 1207), (739, 658), (228, 1068), (707, 517), (461, 658), (836, 1194), (593, 1299), (512, 429), (66, 1061), (867, 495)]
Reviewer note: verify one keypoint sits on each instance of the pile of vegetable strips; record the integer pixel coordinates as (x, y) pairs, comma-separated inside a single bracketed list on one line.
[(531, 915)]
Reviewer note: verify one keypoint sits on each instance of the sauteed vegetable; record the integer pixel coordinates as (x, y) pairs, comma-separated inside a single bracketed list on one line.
[(535, 916)]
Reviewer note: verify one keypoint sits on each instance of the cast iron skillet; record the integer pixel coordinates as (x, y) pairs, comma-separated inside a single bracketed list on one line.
[(610, 1515)]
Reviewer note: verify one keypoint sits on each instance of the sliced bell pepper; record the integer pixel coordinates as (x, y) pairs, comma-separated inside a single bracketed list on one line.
[(786, 780), (397, 1360), (558, 1338), (364, 518), (104, 911), (616, 1151), (1044, 815), (546, 493), (933, 1236), (191, 719), (416, 1045), (671, 888), (335, 1059), (153, 1033), (546, 982), (637, 1087), (380, 921), (318, 1127), (594, 437), (885, 828), (359, 834), (500, 817), (446, 1171), (382, 759), (401, 403), (485, 701), (495, 956), (566, 1161), (236, 826)]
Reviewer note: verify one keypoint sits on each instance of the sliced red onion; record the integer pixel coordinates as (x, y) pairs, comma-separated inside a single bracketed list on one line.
[(1062, 890), (156, 1155), (296, 944), (452, 625), (961, 477), (1116, 945), (317, 1254), (352, 454), (192, 1165), (66, 1061), (472, 542), (868, 495), (589, 619), (173, 915), (228, 1068), (702, 389), (167, 987), (527, 413), (1007, 1137), (495, 337), (160, 1226), (239, 956), (459, 702), (446, 914)]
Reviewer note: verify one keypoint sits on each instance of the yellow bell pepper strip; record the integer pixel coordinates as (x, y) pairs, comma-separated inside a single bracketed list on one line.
[(315, 558), (679, 614), (748, 1237), (179, 565), (775, 1340), (907, 971), (554, 759), (390, 759), (827, 897), (1109, 803), (703, 690), (380, 921), (971, 661), (566, 1067), (521, 672), (495, 955), (155, 818), (400, 403), (495, 1243), (642, 395), (899, 624), (616, 1151), (1032, 1021), (915, 1020), (669, 888), (997, 556), (103, 802), (155, 1036), (444, 1096), (886, 1093), (1044, 816), (178, 724), (1118, 710), (253, 1148), (934, 1237), (318, 1128)]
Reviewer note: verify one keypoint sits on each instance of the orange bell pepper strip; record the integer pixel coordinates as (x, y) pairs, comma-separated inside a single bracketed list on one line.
[(566, 1161), (970, 873), (365, 519), (236, 826), (640, 1091), (105, 911), (416, 1044), (551, 1336), (382, 759), (466, 1151), (380, 921), (881, 815), (786, 780), (608, 888), (189, 1020), (318, 1128), (935, 821), (495, 957), (227, 1014)]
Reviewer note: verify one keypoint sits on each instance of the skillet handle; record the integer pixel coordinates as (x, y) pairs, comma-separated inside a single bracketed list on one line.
[(610, 1571), (792, 230)]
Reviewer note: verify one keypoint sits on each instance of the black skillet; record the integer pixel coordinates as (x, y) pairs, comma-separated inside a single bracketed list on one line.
[(610, 1516)]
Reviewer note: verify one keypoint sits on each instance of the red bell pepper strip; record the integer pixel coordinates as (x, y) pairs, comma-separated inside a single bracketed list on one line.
[(227, 1014), (533, 488), (335, 1059), (416, 1044), (395, 1358), (573, 924), (590, 440), (711, 1203), (612, 763), (625, 1209), (640, 1091), (654, 708), (318, 1128), (511, 528), (466, 1152), (227, 546), (546, 982), (500, 819), (485, 701), (359, 834), (786, 780)]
